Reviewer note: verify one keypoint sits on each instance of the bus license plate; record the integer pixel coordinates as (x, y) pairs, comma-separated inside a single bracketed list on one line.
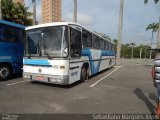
[(39, 78)]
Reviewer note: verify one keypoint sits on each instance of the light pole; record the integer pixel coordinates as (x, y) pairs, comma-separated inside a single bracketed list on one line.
[(0, 9), (34, 11), (120, 27), (132, 51), (75, 11), (140, 53), (146, 51), (132, 47)]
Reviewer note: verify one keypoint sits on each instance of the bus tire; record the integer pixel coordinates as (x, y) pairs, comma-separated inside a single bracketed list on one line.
[(5, 72), (84, 74)]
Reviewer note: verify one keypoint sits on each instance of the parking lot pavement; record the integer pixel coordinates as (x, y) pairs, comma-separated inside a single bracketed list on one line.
[(126, 88)]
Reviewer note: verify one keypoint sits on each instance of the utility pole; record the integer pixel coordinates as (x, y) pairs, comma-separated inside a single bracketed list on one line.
[(132, 51), (0, 9), (120, 27), (140, 53), (34, 11), (75, 11)]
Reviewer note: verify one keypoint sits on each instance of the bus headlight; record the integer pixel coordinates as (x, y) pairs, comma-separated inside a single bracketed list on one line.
[(26, 76)]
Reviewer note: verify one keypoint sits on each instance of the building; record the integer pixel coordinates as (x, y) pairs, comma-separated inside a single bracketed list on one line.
[(20, 1), (51, 11)]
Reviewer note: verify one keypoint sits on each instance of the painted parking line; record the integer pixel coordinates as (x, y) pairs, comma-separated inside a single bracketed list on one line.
[(94, 84), (118, 66), (17, 83)]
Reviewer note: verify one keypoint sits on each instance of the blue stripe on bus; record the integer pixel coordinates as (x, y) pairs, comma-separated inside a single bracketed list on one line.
[(95, 69), (12, 24), (36, 62)]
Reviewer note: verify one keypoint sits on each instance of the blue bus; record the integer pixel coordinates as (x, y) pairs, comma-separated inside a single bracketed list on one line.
[(11, 49)]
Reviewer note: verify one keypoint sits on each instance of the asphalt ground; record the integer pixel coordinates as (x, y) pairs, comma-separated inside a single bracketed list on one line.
[(125, 89)]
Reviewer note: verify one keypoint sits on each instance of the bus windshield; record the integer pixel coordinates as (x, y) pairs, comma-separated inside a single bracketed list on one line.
[(48, 41)]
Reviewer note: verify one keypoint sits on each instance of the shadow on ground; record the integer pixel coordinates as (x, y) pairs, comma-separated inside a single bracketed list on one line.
[(153, 97), (58, 86), (139, 93), (13, 77)]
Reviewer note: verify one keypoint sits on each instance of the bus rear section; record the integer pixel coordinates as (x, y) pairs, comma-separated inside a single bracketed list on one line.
[(11, 49)]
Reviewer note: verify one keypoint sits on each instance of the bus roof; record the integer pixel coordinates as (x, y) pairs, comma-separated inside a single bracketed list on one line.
[(12, 24), (63, 23)]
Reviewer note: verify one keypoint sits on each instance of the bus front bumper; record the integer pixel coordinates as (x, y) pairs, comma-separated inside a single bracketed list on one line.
[(55, 79)]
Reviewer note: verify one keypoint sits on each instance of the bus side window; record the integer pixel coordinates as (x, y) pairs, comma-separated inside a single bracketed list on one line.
[(106, 45), (20, 35), (86, 39), (101, 44), (75, 43), (10, 34), (109, 47), (96, 44)]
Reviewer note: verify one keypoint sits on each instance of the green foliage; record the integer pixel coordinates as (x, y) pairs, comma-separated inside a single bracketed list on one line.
[(16, 12), (154, 27), (126, 51)]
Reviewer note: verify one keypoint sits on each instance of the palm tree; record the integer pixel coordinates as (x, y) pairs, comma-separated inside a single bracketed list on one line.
[(8, 10), (24, 16), (146, 1), (16, 12), (154, 28)]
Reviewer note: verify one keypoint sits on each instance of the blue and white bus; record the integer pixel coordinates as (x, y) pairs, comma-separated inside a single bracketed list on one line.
[(11, 49), (63, 53)]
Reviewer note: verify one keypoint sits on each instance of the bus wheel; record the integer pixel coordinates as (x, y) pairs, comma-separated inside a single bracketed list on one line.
[(84, 74), (5, 72)]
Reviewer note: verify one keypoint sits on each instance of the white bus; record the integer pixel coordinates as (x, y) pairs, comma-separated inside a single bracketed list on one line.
[(63, 53)]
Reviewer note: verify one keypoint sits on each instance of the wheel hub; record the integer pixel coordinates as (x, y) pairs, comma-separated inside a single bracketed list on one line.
[(4, 72)]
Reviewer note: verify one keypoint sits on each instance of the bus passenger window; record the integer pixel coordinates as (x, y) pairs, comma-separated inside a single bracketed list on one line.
[(96, 44), (107, 45), (75, 43), (86, 39), (101, 44), (7, 33)]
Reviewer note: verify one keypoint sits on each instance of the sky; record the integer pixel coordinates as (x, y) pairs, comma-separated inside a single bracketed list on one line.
[(102, 16)]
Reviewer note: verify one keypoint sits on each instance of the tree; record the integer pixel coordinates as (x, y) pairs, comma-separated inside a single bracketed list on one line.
[(24, 15), (154, 28), (16, 12), (146, 1)]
